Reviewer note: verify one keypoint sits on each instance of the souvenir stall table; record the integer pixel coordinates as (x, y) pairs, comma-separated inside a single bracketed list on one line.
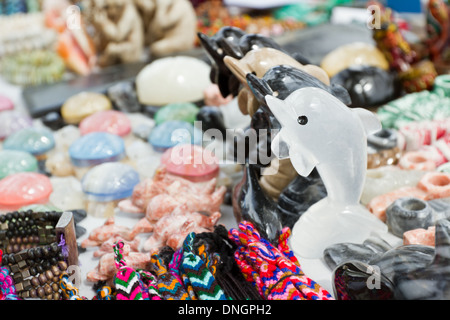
[(220, 161)]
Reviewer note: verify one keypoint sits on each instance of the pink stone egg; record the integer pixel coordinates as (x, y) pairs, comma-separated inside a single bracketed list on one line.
[(191, 162), (110, 121), (22, 189), (6, 104)]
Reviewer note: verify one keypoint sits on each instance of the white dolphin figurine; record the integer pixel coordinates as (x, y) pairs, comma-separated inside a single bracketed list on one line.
[(319, 131)]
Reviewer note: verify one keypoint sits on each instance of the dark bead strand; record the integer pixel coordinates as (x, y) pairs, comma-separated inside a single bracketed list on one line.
[(42, 265), (31, 253), (46, 285), (44, 257), (28, 224)]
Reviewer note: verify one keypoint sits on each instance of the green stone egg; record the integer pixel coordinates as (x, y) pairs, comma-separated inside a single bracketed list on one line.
[(186, 112), (14, 161)]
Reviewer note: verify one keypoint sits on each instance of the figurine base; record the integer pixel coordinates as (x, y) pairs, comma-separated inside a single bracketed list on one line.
[(326, 224)]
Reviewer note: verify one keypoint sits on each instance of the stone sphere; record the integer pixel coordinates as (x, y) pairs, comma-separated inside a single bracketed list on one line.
[(173, 79)]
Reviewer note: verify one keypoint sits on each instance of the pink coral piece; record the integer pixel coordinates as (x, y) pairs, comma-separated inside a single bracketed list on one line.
[(106, 268), (105, 232), (108, 245), (173, 208), (127, 205), (160, 206), (198, 196), (173, 228), (420, 237)]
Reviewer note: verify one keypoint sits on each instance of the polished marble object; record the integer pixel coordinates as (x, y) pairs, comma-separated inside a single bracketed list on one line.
[(357, 53), (96, 148), (13, 121), (191, 162), (171, 80), (251, 204), (368, 86), (25, 188), (82, 105), (172, 133), (14, 161), (34, 140), (109, 181), (110, 121), (319, 131), (177, 112), (299, 196)]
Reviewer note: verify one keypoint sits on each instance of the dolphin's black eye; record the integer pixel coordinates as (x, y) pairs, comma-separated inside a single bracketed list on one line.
[(302, 120)]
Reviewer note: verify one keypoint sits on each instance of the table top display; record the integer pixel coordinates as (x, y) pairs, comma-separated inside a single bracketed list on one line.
[(244, 173)]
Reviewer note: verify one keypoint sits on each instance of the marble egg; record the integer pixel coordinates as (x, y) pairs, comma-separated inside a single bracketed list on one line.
[(96, 148), (22, 189), (14, 161), (34, 140), (177, 112), (368, 86), (173, 79), (110, 121), (357, 53), (109, 181), (82, 105), (191, 162), (172, 133), (6, 103), (13, 121)]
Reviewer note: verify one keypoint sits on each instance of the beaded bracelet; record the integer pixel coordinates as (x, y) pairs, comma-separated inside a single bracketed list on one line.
[(35, 271), (33, 68), (22, 230), (38, 247)]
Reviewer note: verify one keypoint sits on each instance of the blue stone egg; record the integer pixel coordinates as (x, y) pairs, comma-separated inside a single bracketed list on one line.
[(172, 133), (96, 148), (33, 140), (109, 181)]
